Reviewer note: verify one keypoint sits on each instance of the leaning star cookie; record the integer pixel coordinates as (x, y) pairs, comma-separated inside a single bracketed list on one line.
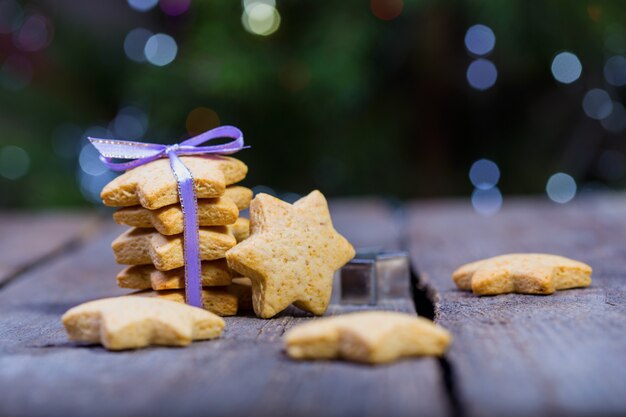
[(168, 220), (153, 185), (223, 301), (135, 322), (369, 337), (145, 246), (291, 254), (527, 273), (144, 277)]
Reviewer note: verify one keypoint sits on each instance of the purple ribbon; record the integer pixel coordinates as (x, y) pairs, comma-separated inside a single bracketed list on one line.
[(141, 153)]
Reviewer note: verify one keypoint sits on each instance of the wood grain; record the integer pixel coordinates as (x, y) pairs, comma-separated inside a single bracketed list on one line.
[(521, 355), (27, 238), (244, 373)]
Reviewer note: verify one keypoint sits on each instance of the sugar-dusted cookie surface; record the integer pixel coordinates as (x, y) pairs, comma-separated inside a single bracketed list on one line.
[(526, 273), (291, 254), (146, 246), (240, 229), (153, 185), (134, 322), (143, 277), (223, 301), (368, 337)]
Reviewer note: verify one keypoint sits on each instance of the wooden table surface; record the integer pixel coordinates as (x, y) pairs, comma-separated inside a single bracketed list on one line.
[(512, 355)]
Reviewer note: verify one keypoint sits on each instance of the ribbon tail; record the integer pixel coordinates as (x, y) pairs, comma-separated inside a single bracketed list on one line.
[(189, 206)]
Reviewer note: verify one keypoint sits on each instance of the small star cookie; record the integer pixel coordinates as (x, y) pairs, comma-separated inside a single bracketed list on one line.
[(144, 277), (168, 220), (291, 254), (146, 246), (153, 185), (368, 337), (223, 301), (526, 273), (135, 322)]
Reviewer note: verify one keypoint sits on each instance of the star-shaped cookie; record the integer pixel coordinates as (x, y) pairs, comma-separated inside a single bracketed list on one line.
[(146, 246), (526, 273), (368, 337), (291, 254), (153, 185), (223, 301), (143, 277), (134, 322), (168, 220)]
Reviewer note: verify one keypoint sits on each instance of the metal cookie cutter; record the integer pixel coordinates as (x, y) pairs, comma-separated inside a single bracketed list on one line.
[(372, 276)]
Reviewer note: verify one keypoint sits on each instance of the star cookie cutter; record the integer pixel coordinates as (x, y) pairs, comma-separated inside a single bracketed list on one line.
[(371, 276)]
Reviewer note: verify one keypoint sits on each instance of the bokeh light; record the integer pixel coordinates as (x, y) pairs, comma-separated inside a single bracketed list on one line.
[(487, 202), (480, 40), (615, 70), (142, 5), (130, 123), (135, 44), (597, 104), (616, 121), (482, 74), (387, 9), (34, 34), (200, 120), (89, 160), (91, 185), (14, 162), (260, 18), (11, 16), (561, 188), (174, 7), (161, 49), (484, 174), (566, 67), (16, 73)]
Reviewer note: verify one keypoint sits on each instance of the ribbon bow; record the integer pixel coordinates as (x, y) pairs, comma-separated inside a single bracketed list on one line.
[(141, 153)]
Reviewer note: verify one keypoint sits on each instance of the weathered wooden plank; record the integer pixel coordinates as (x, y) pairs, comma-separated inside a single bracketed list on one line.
[(243, 373), (28, 238), (512, 355)]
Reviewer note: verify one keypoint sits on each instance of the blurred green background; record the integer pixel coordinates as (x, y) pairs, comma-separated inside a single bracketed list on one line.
[(383, 97)]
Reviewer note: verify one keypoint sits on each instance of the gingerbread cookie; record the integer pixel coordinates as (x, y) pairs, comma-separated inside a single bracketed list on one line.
[(291, 254), (526, 273), (240, 229), (143, 277), (135, 322), (145, 246), (368, 337), (153, 185), (239, 195), (168, 220), (223, 301)]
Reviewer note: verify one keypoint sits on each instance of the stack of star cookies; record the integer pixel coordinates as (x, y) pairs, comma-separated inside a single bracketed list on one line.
[(147, 201)]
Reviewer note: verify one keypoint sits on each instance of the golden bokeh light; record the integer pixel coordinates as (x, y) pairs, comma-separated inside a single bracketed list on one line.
[(387, 9), (200, 120)]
